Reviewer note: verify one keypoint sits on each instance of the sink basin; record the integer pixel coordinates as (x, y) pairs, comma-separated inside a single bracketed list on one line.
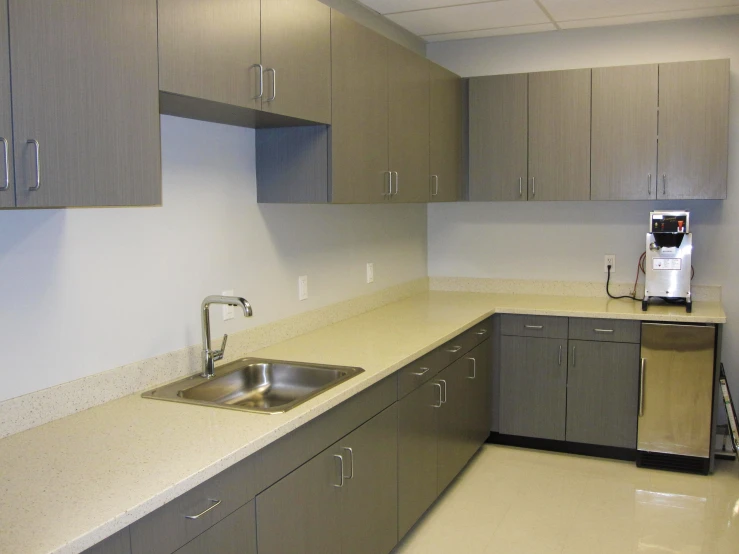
[(256, 385)]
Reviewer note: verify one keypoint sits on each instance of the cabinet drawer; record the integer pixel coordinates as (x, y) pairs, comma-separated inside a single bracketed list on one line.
[(459, 346), (605, 330), (534, 326), (168, 528), (235, 534)]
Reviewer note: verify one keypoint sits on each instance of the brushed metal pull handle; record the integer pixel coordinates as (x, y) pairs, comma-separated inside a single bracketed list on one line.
[(560, 354), (641, 386), (454, 349), (434, 185), (520, 186), (649, 185), (443, 401), (440, 402), (351, 462), (424, 372), (397, 183), (481, 332), (260, 67), (7, 167), (474, 368), (603, 330), (341, 471), (574, 358), (273, 71), (533, 186), (38, 164), (534, 327), (389, 182), (664, 184), (215, 503)]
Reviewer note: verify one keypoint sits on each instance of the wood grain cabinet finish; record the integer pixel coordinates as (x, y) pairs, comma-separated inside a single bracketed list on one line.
[(603, 393), (446, 128), (236, 534), (479, 406), (624, 142), (85, 86), (498, 138), (7, 173), (208, 50), (408, 79), (360, 121), (559, 135), (296, 55), (693, 130), (533, 387)]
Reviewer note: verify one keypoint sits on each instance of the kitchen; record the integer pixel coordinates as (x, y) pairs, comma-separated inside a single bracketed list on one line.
[(63, 267)]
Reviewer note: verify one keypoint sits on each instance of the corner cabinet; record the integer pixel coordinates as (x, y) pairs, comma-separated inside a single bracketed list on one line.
[(446, 130), (85, 103)]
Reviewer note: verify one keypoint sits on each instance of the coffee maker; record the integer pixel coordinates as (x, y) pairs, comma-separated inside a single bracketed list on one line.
[(668, 264)]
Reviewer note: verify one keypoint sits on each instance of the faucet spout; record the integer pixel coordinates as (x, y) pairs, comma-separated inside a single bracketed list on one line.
[(210, 356)]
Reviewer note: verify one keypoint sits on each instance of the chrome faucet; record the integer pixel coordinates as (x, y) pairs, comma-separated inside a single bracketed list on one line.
[(209, 356)]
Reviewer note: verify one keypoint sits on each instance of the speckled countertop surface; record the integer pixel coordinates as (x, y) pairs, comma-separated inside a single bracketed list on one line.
[(69, 484)]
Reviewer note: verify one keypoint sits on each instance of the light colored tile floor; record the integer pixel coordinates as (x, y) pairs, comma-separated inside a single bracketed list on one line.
[(511, 501)]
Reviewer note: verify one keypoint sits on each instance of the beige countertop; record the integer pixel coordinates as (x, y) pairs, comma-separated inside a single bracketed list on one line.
[(69, 484)]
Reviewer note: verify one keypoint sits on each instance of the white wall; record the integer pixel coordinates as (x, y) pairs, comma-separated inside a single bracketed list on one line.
[(568, 240), (83, 291)]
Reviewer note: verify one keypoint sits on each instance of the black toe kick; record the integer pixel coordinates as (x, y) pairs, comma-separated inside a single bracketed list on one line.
[(612, 452)]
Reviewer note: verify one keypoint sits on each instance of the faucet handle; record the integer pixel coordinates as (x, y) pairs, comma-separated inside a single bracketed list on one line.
[(218, 354)]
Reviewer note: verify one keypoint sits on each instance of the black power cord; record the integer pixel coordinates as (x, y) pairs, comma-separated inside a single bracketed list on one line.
[(608, 292)]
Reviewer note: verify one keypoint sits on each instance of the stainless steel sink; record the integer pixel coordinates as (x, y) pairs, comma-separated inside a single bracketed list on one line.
[(256, 385)]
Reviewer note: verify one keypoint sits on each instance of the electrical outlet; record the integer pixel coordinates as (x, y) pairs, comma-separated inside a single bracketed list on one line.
[(303, 287), (228, 311), (370, 272), (610, 259)]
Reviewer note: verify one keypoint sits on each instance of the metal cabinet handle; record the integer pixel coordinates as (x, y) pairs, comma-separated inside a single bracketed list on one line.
[(603, 330), (649, 184), (533, 186), (641, 386), (534, 327), (215, 503), (440, 402), (574, 359), (474, 368), (260, 67), (38, 164), (481, 332), (341, 471), (664, 184), (443, 401), (6, 186), (434, 185), (397, 180), (274, 83), (560, 354), (351, 463), (454, 349), (389, 182), (420, 373), (520, 186)]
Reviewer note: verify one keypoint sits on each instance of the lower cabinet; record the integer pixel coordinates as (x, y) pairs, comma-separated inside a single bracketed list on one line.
[(235, 534), (343, 500)]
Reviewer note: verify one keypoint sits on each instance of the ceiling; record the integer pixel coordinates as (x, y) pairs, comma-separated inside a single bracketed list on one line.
[(439, 20)]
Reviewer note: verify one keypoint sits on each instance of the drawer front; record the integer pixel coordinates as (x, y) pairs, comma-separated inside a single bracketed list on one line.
[(534, 326), (169, 527), (235, 534), (459, 346), (605, 330)]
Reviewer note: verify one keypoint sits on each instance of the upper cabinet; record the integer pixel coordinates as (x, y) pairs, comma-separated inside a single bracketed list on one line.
[(446, 129), (624, 160), (559, 135), (7, 180), (211, 50), (498, 146), (693, 129), (85, 103)]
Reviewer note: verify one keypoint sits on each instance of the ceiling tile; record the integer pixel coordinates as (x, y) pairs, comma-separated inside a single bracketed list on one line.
[(518, 30), (395, 6), (647, 17), (472, 17), (568, 10)]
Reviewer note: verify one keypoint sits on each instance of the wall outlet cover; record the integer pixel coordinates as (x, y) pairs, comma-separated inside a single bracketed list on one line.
[(228, 311), (303, 287), (610, 259), (370, 272)]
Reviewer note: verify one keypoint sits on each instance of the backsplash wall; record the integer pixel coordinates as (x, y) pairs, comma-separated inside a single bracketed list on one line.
[(87, 290), (567, 240)]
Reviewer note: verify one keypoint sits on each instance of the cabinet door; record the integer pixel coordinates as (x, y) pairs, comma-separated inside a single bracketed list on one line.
[(446, 128), (498, 137), (479, 396), (408, 79), (369, 503), (417, 443), (302, 512), (235, 534), (208, 49), (624, 159), (453, 446), (533, 387), (559, 135), (85, 86), (359, 102), (693, 129), (120, 543), (603, 393), (296, 55), (7, 178)]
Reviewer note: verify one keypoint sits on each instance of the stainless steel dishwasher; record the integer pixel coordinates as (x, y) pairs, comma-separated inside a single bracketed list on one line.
[(676, 396)]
